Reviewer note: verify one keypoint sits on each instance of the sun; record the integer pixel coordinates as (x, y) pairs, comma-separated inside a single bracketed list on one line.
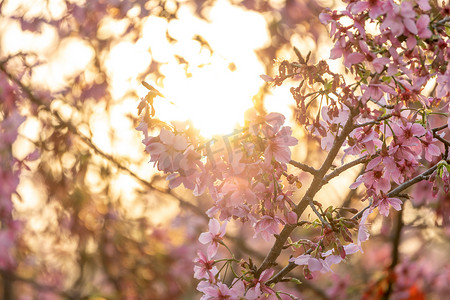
[(214, 99)]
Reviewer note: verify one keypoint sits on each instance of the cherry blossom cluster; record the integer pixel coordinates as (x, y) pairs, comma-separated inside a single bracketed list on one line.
[(243, 172), (389, 113), (406, 48)]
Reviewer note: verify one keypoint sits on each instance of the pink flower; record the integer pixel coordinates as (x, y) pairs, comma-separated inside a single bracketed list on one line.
[(429, 148), (316, 264), (353, 59), (204, 267), (443, 84), (373, 179), (379, 63), (399, 18), (375, 8), (259, 288), (375, 91), (213, 237), (217, 291), (397, 63), (166, 150), (326, 143), (330, 17), (188, 171), (275, 121), (407, 134), (363, 139), (384, 203), (391, 170), (424, 5), (343, 48), (278, 145), (422, 193), (239, 191), (363, 231), (422, 27), (267, 226)]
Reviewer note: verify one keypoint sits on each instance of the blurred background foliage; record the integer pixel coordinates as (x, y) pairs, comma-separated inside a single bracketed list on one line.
[(97, 222)]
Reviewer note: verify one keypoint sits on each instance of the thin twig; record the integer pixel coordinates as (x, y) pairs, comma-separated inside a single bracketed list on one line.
[(313, 207), (444, 141), (385, 117), (360, 213), (434, 130), (303, 167), (343, 168)]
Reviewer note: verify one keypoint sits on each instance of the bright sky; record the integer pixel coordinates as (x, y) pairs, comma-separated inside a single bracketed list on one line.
[(214, 97)]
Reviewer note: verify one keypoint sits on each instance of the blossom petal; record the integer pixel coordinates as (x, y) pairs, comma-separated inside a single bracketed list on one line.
[(355, 58)]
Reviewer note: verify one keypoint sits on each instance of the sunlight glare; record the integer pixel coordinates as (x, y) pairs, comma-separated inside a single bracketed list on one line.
[(212, 89)]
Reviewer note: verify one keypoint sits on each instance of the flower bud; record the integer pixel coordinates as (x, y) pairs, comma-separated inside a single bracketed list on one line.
[(307, 273)]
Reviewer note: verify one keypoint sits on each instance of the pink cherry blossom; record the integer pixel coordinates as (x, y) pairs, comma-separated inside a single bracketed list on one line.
[(373, 179), (374, 7), (422, 193), (363, 231), (375, 91), (429, 148), (266, 227), (363, 139), (278, 145), (443, 84), (166, 150), (424, 4), (353, 59), (213, 237), (408, 133), (259, 288), (422, 27), (317, 264), (399, 18), (218, 291), (379, 63), (239, 191), (384, 203), (204, 267)]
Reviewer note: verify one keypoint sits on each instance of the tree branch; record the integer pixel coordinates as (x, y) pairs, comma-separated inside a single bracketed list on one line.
[(385, 117), (315, 186), (324, 222), (395, 254), (303, 167), (434, 130), (407, 184), (344, 168)]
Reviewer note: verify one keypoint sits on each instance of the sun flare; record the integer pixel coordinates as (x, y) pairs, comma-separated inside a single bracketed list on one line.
[(216, 87)]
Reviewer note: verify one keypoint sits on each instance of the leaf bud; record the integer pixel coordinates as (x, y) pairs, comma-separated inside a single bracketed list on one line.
[(346, 234), (351, 210)]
